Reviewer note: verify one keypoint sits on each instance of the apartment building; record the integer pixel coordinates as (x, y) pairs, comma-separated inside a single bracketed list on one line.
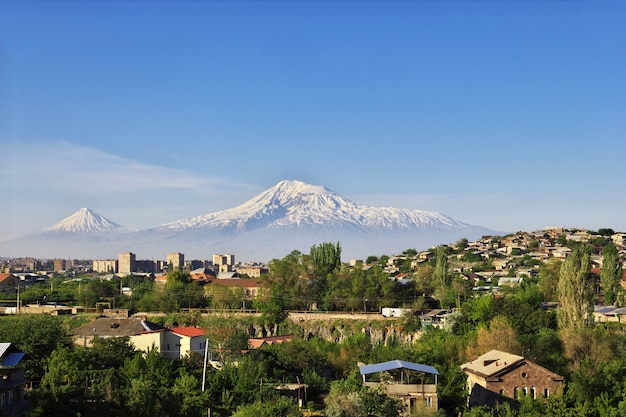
[(176, 260), (106, 266), (127, 263)]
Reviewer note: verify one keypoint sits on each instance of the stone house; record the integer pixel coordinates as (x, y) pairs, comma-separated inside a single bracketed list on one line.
[(498, 377)]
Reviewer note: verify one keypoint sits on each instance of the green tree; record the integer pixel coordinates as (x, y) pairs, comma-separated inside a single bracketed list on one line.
[(549, 273), (326, 257), (36, 335), (575, 289), (611, 274), (279, 407), (442, 278)]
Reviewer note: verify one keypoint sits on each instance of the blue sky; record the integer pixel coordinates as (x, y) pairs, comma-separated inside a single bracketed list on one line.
[(505, 114)]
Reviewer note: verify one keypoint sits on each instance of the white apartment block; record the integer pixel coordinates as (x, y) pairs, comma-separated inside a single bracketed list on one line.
[(106, 266)]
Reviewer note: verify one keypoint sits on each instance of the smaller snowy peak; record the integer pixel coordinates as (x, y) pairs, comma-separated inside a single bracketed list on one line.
[(86, 220)]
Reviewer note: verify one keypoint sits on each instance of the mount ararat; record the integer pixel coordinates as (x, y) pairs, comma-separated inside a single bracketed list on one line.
[(292, 215)]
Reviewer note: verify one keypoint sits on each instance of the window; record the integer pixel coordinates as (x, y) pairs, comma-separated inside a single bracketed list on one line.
[(525, 391), (502, 392), (515, 394), (533, 393), (546, 392), (429, 402)]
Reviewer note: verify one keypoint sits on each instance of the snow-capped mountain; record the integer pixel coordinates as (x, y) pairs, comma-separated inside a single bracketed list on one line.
[(86, 220), (297, 204), (290, 216)]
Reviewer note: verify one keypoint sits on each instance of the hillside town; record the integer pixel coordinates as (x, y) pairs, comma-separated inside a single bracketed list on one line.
[(509, 258), (499, 300)]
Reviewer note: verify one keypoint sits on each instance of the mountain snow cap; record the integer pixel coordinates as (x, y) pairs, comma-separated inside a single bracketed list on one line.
[(85, 220)]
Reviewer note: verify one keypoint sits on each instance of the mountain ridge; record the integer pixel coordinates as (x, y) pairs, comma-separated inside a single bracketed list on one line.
[(292, 215)]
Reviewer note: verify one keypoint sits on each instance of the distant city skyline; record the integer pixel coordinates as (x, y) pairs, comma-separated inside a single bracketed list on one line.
[(507, 115)]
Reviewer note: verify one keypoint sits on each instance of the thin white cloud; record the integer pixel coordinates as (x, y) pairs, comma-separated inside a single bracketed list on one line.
[(62, 165)]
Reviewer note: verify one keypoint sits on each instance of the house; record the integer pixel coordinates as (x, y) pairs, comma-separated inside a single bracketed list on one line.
[(251, 288), (510, 281), (112, 327), (498, 377), (9, 284), (258, 342), (202, 274), (434, 318), (12, 382), (415, 384), (175, 343)]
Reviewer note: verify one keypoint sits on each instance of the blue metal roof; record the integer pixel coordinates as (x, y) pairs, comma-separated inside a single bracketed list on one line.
[(396, 364), (12, 359)]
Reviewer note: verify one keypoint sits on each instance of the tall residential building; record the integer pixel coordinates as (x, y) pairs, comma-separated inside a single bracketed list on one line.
[(126, 263), (176, 260), (59, 265), (107, 266), (224, 259)]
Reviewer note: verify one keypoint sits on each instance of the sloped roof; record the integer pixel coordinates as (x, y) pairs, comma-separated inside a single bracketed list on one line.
[(188, 331), (12, 359), (105, 327), (491, 363), (9, 355), (396, 364), (236, 282), (257, 342), (5, 276)]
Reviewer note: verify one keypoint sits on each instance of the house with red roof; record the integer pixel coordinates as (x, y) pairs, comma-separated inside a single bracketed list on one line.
[(9, 283), (258, 342), (173, 343)]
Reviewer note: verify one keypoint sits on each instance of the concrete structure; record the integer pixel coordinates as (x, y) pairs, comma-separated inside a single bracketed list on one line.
[(415, 384), (224, 263), (252, 271), (126, 263), (498, 377), (59, 265), (176, 260), (106, 266)]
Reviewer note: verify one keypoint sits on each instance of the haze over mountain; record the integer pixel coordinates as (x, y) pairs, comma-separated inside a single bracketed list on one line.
[(292, 215)]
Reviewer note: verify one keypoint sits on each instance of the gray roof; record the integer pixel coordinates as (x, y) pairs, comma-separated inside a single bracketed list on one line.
[(113, 327), (396, 364)]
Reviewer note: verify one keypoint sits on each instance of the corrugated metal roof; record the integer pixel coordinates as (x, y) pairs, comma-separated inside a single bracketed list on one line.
[(396, 364), (12, 359)]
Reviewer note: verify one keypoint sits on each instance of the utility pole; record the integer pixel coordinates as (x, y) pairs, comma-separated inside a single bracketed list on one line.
[(206, 354), (18, 300)]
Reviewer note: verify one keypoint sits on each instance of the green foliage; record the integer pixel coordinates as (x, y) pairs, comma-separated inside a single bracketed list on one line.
[(576, 289), (549, 273), (611, 274), (606, 232), (326, 257), (36, 335), (280, 407)]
